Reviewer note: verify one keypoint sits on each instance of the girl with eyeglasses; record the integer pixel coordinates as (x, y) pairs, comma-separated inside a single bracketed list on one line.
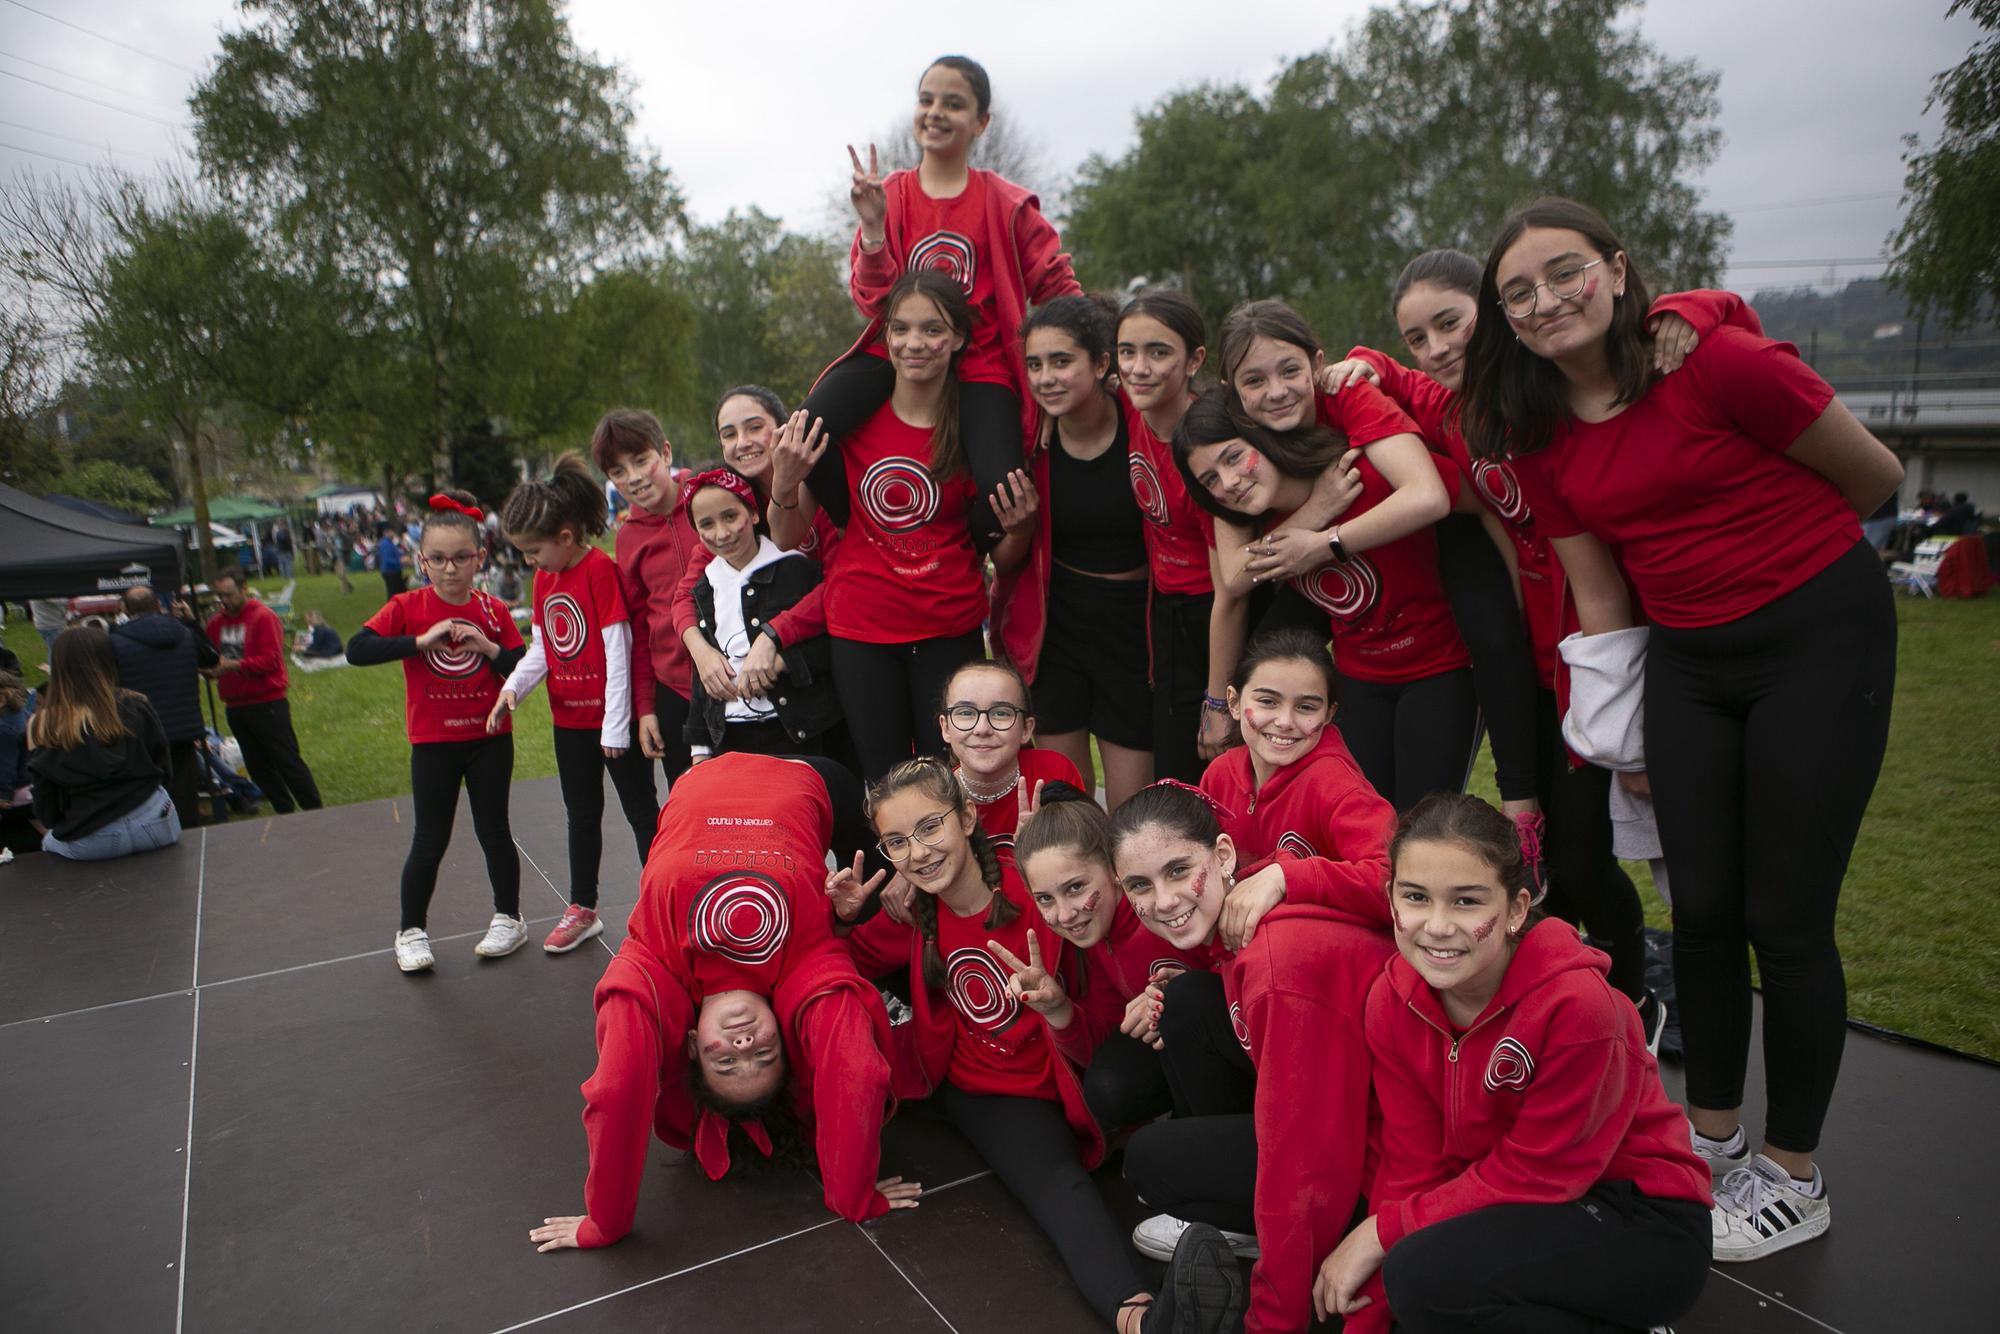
[(456, 645), (1732, 492), (985, 718)]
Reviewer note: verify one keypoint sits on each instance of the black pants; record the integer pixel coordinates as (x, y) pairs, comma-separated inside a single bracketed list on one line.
[(890, 694), (1612, 1262), (1126, 1084), (184, 784), (1411, 738), (1177, 625), (271, 754), (1764, 737), (989, 429), (1201, 1164), (1587, 887), (1481, 593), (393, 582), (486, 767), (670, 707), (765, 737), (1028, 1144), (580, 768)]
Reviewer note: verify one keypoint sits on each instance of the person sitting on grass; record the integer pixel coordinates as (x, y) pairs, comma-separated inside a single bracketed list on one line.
[(97, 757)]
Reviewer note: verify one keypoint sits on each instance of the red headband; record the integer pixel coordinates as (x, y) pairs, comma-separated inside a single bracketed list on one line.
[(1221, 812), (447, 504), (735, 483)]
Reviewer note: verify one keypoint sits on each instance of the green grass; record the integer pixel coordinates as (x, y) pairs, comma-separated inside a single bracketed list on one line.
[(1920, 914)]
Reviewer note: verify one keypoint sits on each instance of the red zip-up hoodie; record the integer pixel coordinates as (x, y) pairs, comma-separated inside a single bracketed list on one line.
[(733, 899), (1113, 971), (255, 638), (1550, 1091), (1317, 806)]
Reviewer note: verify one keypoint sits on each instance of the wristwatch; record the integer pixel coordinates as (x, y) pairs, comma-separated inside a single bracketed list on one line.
[(1333, 545)]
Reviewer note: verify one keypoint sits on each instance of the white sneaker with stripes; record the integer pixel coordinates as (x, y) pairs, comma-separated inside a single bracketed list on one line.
[(1759, 1211)]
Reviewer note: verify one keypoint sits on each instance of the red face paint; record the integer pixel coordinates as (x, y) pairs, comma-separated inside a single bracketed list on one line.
[(1485, 929), (1589, 291), (1200, 886), (1402, 928)]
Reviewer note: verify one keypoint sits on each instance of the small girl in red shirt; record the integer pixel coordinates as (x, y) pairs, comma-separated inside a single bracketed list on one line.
[(583, 646), (986, 719), (456, 646)]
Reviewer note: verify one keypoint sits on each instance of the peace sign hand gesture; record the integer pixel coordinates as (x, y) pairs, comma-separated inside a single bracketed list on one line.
[(1035, 986), (871, 201), (849, 891), (1027, 802)]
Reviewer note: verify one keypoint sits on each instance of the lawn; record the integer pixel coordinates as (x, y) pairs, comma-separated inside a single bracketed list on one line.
[(1934, 826)]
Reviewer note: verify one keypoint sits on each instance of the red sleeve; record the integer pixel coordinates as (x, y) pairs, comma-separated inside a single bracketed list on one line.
[(639, 616), (1044, 265), (1708, 310), (850, 1096), (1312, 1135), (510, 633), (1760, 385), (872, 273), (880, 946), (620, 1101), (1358, 887), (390, 619), (263, 644), (804, 618), (607, 592), (1095, 1016), (1364, 414), (1429, 403), (694, 563)]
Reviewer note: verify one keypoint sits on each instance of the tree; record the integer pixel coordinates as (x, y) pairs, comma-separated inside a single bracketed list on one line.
[(1947, 252), (26, 461), (457, 167), (114, 484), (1422, 129)]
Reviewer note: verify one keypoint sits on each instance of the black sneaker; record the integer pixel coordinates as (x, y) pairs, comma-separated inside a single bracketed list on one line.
[(1207, 1285), (1652, 1018)]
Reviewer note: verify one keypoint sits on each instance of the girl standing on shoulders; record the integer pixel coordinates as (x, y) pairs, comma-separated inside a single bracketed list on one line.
[(1531, 1162), (583, 646), (1769, 669), (456, 646)]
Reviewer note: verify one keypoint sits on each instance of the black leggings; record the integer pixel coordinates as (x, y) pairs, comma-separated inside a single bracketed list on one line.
[(1411, 738), (1126, 1084), (1587, 886), (890, 692), (989, 429), (1202, 1164), (1030, 1147), (1764, 737), (1481, 593), (1612, 1262), (1177, 626), (580, 767), (486, 767), (670, 708)]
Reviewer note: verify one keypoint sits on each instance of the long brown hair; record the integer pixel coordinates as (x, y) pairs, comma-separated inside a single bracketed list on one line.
[(1302, 454), (81, 699), (933, 778), (942, 291), (1513, 401)]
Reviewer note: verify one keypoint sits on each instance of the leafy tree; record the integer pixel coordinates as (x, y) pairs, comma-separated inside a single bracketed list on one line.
[(1947, 252), (26, 461), (114, 484)]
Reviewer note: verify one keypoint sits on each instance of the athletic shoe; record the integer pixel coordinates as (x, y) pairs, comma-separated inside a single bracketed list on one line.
[(1205, 1284), (1653, 1017), (1722, 1164), (504, 935), (1528, 832), (413, 950), (1157, 1236), (577, 925), (1760, 1210)]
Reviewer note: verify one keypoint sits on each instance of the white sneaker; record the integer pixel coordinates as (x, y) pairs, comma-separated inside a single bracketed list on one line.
[(504, 935), (1759, 1211), (1158, 1235), (413, 950), (1722, 1164)]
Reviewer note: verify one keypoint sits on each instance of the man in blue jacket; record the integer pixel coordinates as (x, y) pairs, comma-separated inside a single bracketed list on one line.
[(159, 656)]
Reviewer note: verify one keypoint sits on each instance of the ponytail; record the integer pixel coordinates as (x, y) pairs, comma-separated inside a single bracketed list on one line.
[(568, 498)]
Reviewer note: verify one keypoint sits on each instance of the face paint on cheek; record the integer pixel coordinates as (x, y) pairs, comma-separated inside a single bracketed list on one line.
[(1200, 886), (1485, 929), (1589, 291), (1403, 928), (1090, 904)]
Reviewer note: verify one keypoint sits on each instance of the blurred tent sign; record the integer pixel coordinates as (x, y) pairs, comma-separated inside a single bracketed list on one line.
[(47, 551)]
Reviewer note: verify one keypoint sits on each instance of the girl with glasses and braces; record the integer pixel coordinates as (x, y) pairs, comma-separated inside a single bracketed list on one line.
[(985, 718)]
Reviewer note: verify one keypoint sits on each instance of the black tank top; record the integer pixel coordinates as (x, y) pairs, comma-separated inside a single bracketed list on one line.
[(1094, 523)]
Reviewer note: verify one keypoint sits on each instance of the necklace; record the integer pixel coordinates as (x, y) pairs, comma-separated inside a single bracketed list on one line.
[(986, 798)]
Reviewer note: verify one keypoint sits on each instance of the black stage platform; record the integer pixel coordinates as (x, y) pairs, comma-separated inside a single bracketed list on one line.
[(223, 1109)]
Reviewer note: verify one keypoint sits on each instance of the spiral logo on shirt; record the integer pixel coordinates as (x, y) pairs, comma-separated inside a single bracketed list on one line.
[(741, 916), (1291, 841), (898, 494), (1510, 1067), (1146, 489), (453, 662), (563, 624), (1242, 1029), (949, 254), (810, 546), (979, 990), (1501, 489), (1343, 590)]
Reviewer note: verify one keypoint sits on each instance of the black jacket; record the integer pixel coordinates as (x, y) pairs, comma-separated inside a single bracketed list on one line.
[(158, 657), (80, 791), (804, 691)]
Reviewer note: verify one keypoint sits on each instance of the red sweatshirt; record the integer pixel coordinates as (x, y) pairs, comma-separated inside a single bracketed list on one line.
[(1113, 971), (1000, 819), (653, 553), (1317, 806), (255, 639), (728, 901), (1550, 1091)]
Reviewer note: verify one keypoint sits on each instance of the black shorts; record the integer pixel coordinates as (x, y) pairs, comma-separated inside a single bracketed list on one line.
[(1092, 672)]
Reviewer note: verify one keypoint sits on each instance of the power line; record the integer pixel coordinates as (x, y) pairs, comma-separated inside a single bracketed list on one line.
[(73, 139), (85, 97), (94, 83), (74, 162), (125, 46)]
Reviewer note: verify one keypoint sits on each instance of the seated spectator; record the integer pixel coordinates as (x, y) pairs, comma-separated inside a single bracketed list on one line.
[(1959, 518), (97, 758), (318, 639), (161, 657)]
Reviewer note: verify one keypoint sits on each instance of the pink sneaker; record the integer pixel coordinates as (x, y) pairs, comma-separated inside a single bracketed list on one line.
[(577, 925), (1528, 829)]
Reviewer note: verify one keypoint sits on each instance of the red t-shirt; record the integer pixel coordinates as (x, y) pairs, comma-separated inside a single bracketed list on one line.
[(447, 692), (1000, 819), (907, 569), (999, 1048), (571, 610), (1690, 487), (1178, 531), (1364, 414), (950, 236)]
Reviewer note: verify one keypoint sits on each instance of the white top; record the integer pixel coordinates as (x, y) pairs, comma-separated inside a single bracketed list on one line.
[(731, 634)]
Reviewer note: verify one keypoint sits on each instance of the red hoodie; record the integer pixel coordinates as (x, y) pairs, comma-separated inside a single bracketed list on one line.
[(730, 901), (1317, 806), (1114, 970), (1549, 1092), (255, 639)]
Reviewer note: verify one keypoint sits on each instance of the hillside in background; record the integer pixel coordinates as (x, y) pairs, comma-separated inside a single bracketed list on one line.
[(1865, 331)]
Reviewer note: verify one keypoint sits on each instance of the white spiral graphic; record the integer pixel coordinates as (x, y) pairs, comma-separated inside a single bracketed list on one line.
[(740, 916), (1242, 1029), (1501, 489), (1146, 489), (1296, 844), (948, 253), (979, 990), (898, 494), (1346, 591), (563, 625), (1510, 1067)]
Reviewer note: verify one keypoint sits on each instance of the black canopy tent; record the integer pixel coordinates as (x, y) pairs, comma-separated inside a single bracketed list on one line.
[(47, 551)]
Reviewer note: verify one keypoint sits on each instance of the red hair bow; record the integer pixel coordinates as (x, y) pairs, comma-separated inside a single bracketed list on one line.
[(472, 512), (735, 483), (711, 1141), (1221, 812)]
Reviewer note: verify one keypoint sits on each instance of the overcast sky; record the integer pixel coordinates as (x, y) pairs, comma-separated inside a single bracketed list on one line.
[(752, 104)]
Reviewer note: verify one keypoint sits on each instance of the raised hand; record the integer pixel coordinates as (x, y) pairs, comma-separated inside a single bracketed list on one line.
[(436, 637), (849, 891), (897, 896), (870, 200), (1035, 986), (1334, 378), (464, 634), (1015, 502), (1027, 802), (794, 451)]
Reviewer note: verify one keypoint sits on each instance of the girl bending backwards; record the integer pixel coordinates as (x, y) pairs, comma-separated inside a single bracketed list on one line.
[(1769, 668), (979, 976), (906, 599), (1064, 852), (1274, 1136), (779, 692), (583, 647), (730, 1004), (986, 720), (1533, 1169), (456, 646), (1407, 706), (988, 237)]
